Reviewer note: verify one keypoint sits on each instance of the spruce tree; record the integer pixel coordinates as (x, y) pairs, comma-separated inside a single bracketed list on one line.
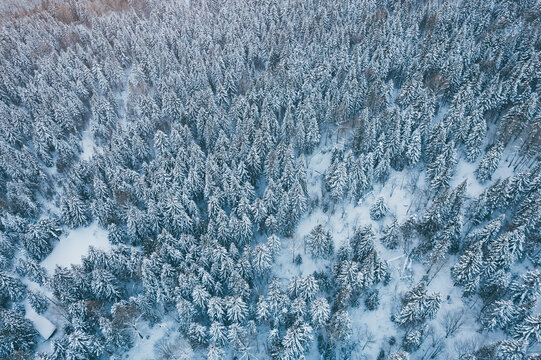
[(320, 243)]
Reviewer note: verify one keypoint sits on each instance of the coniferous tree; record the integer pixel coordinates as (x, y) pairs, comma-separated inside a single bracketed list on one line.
[(391, 235), (319, 312), (378, 209), (74, 211), (467, 270), (336, 180), (510, 349), (413, 339), (17, 334), (489, 163), (340, 326), (11, 287), (400, 355), (188, 158), (32, 271), (296, 340), (320, 242), (529, 329), (38, 301), (527, 288)]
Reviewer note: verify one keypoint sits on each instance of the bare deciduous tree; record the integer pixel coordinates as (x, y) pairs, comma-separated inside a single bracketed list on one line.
[(452, 321)]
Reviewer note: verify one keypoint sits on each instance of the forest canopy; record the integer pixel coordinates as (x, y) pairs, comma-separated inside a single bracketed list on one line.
[(279, 179)]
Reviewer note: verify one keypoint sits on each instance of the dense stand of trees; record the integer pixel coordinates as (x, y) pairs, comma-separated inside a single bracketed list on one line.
[(182, 128)]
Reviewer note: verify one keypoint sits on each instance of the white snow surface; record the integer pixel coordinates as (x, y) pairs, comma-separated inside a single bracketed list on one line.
[(87, 144), (43, 325), (74, 245), (158, 340)]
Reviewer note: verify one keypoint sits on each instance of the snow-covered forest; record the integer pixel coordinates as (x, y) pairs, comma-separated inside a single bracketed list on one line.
[(270, 179)]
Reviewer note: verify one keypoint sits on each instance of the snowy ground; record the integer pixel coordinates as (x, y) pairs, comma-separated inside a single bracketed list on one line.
[(157, 341), (73, 245), (405, 193), (87, 145)]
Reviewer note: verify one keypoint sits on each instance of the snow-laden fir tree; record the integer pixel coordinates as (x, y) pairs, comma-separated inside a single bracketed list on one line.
[(320, 243), (378, 209)]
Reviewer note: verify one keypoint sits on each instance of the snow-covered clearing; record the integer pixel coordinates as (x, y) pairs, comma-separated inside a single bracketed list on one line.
[(73, 245), (87, 145), (43, 325), (159, 341)]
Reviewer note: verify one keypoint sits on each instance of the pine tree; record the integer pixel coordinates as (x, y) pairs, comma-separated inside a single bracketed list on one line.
[(38, 301), (382, 169), (362, 243), (359, 181), (475, 138), (74, 211), (487, 233), (78, 345), (312, 134), (218, 334), (197, 334), (186, 313), (529, 330), (308, 287), (320, 312), (299, 202), (501, 315), (274, 245), (104, 285), (237, 336), (378, 209), (32, 271), (38, 240), (298, 308), (340, 326), (527, 288), (200, 296), (320, 242), (413, 339), (236, 309), (413, 148), (114, 335), (262, 311), (467, 270), (215, 352), (510, 350), (489, 163), (391, 235), (296, 340), (336, 180), (215, 309), (400, 355), (11, 287), (418, 305), (503, 250), (17, 334), (262, 259), (294, 287), (442, 169)]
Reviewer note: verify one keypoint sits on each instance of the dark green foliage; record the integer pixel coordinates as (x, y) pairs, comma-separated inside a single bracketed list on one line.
[(378, 209), (38, 301), (320, 243), (17, 334), (372, 299)]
